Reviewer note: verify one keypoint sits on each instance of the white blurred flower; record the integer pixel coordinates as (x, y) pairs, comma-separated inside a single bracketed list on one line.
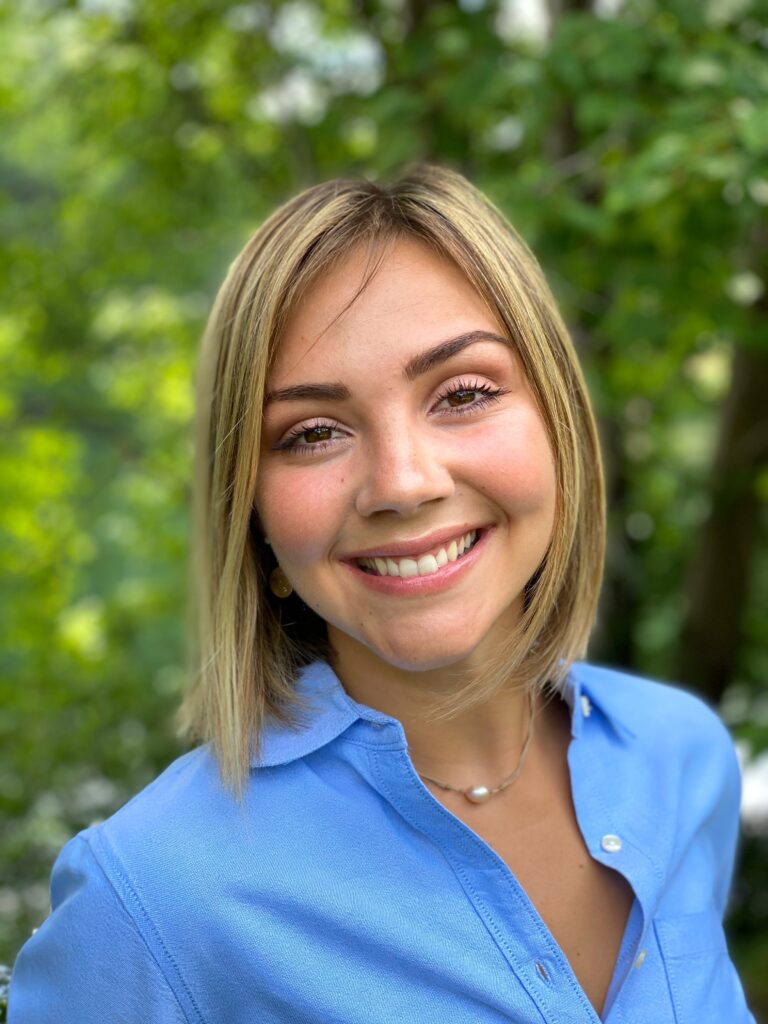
[(745, 288), (721, 12), (298, 97), (351, 61), (246, 17), (758, 189), (527, 20), (94, 795), (710, 370), (754, 788), (608, 8), (505, 135), (117, 10), (296, 28), (703, 71)]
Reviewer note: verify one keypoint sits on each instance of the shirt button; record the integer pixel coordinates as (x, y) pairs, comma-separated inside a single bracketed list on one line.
[(641, 957), (611, 843), (586, 706)]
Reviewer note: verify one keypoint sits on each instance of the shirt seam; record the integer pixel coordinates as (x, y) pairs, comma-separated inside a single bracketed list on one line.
[(667, 974), (628, 836), (394, 745), (488, 919), (134, 898)]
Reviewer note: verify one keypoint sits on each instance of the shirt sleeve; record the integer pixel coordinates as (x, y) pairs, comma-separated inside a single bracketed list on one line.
[(88, 961), (727, 819)]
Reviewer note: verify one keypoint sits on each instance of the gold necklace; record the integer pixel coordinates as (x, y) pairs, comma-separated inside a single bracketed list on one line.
[(479, 794)]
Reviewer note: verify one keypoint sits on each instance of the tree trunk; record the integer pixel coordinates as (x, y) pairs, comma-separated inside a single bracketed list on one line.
[(720, 575)]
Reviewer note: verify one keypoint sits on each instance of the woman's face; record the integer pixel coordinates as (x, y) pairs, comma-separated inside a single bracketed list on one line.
[(390, 434)]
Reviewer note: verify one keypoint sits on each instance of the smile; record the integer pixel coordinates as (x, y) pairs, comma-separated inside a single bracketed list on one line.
[(424, 565), (431, 572)]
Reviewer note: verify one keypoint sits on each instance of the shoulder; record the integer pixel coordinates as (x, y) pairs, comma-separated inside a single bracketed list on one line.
[(133, 874), (163, 839), (669, 737), (168, 822), (671, 750), (100, 956), (656, 712)]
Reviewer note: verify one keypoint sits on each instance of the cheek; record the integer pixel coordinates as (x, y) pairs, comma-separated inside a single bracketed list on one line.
[(516, 467), (298, 511)]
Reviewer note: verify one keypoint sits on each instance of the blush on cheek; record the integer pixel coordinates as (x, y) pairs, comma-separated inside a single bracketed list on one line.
[(522, 475), (296, 512)]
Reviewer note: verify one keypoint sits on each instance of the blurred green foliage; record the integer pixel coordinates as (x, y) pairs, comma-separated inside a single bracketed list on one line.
[(5, 977), (144, 140)]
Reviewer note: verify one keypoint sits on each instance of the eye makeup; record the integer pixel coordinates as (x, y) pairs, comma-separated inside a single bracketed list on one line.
[(462, 390)]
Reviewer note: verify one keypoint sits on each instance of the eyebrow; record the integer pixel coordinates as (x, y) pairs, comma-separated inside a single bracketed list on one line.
[(428, 360), (415, 367), (296, 392)]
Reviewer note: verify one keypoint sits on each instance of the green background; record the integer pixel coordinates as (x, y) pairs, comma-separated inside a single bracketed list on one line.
[(144, 141)]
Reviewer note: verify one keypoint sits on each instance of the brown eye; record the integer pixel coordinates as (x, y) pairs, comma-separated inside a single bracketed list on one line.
[(310, 438), (468, 394), (318, 434), (461, 397)]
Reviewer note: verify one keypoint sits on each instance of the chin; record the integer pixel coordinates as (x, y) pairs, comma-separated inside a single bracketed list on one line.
[(416, 656)]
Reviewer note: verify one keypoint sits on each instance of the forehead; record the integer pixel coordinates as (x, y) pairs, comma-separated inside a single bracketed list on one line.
[(415, 298)]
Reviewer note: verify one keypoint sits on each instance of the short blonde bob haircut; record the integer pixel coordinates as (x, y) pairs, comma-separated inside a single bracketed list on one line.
[(246, 646)]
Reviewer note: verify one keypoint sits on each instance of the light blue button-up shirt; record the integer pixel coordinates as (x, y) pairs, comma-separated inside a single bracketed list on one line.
[(342, 891)]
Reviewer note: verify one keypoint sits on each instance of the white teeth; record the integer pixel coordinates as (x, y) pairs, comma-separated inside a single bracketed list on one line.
[(427, 565), (423, 566)]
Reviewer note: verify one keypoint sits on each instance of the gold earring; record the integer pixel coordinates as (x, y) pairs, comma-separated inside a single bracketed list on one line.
[(279, 583)]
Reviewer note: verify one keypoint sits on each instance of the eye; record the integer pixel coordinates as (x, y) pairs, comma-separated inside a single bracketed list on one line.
[(321, 432), (309, 437), (468, 395)]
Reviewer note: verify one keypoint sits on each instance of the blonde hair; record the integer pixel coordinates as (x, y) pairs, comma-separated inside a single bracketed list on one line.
[(245, 648)]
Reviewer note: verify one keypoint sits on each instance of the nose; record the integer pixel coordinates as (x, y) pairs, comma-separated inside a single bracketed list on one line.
[(403, 471)]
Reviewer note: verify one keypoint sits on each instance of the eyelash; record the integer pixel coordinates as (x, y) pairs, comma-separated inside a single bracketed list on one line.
[(488, 392)]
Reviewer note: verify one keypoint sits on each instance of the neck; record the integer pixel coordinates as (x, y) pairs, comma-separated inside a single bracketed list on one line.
[(480, 745)]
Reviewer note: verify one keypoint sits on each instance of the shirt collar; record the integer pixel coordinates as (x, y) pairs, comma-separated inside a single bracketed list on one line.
[(589, 686), (330, 711)]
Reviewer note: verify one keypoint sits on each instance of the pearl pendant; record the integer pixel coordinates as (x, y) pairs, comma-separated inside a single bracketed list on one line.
[(477, 794)]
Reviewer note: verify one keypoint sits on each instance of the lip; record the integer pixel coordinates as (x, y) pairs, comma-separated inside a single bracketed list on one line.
[(420, 586), (419, 545)]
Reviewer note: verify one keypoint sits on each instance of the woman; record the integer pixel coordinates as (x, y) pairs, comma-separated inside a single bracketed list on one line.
[(412, 803)]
